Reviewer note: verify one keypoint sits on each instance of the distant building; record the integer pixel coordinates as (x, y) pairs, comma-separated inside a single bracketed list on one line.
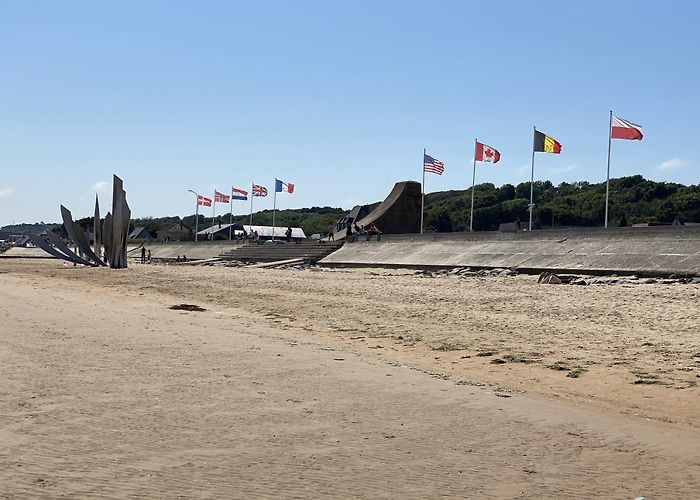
[(357, 213), (22, 241), (175, 232), (264, 232), (140, 233)]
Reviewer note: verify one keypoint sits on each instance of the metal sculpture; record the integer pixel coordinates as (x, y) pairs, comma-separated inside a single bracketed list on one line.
[(78, 237), (112, 236), (62, 247), (41, 242), (121, 215)]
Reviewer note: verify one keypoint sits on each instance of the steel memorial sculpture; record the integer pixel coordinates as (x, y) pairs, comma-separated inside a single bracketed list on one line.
[(111, 235)]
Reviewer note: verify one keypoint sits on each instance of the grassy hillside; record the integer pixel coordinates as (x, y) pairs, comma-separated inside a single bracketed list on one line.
[(578, 204)]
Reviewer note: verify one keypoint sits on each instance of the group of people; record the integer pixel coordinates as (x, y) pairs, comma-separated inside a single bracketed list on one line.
[(353, 231)]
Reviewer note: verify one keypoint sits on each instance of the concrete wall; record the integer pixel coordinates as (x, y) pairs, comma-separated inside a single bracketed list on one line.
[(650, 251), (199, 250)]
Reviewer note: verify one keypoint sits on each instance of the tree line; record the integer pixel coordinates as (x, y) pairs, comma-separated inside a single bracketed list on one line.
[(568, 204)]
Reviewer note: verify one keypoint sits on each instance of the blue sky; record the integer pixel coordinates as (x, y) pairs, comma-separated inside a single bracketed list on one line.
[(339, 98)]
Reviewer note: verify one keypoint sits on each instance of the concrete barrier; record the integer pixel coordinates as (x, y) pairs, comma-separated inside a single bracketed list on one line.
[(649, 251), (198, 251)]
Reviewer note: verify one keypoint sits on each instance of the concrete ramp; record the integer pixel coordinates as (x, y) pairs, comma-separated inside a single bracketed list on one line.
[(399, 213), (650, 251)]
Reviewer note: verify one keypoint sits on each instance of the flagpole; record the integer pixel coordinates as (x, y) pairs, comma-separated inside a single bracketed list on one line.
[(471, 214), (213, 213), (196, 214), (250, 224), (274, 210), (532, 177), (230, 217), (607, 181), (422, 189)]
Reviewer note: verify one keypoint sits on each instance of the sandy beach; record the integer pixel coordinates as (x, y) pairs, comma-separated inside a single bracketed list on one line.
[(343, 383)]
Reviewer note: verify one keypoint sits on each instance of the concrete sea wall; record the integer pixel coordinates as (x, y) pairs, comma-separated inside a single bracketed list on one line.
[(647, 251)]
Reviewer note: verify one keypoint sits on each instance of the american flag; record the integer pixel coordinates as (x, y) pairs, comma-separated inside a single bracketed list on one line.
[(203, 201), (221, 197), (432, 165), (259, 190)]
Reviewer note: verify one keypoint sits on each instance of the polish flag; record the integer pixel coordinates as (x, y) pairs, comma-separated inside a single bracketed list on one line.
[(486, 153), (622, 129)]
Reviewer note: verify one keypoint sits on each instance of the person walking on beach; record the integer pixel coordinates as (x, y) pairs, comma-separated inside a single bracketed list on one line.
[(143, 255), (330, 233), (148, 257)]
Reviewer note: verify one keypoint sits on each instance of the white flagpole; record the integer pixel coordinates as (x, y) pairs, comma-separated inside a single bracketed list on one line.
[(532, 177), (230, 217), (196, 213), (471, 215), (250, 224), (274, 210), (422, 189), (607, 181), (213, 213)]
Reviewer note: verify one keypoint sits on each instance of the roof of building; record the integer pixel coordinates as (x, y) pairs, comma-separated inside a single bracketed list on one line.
[(179, 225), (140, 233), (263, 231)]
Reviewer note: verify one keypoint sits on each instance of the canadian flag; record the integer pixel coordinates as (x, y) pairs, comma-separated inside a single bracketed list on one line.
[(622, 129), (486, 153)]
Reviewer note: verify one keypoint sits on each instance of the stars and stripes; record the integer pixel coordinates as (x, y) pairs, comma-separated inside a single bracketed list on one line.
[(259, 190), (239, 194), (221, 197), (203, 201), (432, 165)]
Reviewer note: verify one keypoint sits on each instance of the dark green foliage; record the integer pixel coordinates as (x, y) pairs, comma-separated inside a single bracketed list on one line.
[(577, 204), (30, 229)]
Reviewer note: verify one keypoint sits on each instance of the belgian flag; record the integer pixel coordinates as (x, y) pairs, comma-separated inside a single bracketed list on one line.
[(545, 144)]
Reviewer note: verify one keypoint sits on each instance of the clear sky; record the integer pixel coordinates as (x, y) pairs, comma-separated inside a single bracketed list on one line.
[(339, 98)]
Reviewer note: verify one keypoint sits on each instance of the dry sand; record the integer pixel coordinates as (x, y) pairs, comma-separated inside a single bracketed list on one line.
[(343, 383)]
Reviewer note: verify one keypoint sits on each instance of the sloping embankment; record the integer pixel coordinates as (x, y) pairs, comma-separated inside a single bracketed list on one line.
[(649, 251)]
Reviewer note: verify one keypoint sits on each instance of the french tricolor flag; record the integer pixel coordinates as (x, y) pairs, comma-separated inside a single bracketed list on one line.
[(286, 187)]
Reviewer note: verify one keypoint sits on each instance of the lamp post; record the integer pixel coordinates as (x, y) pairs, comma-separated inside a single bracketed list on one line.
[(196, 216)]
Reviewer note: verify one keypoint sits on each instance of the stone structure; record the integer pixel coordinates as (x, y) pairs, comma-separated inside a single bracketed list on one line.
[(399, 213)]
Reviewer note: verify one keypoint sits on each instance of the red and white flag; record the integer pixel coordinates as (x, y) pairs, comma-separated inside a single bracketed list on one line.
[(203, 201), (486, 153), (221, 197), (622, 129)]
